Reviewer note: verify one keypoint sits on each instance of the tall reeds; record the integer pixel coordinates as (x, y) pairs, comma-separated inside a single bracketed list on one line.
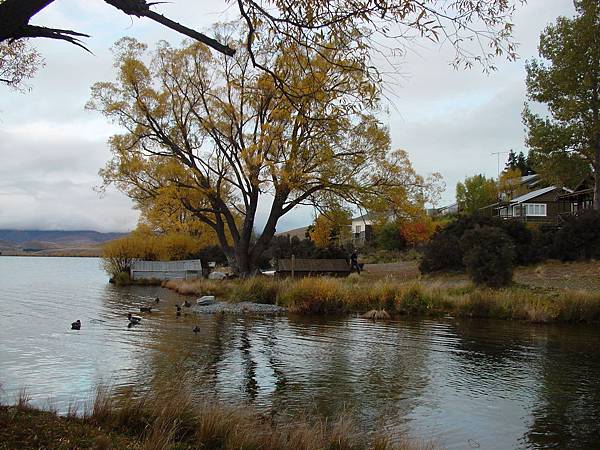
[(330, 296)]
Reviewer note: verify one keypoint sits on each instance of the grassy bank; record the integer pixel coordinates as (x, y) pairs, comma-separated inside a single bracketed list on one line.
[(173, 420), (425, 297)]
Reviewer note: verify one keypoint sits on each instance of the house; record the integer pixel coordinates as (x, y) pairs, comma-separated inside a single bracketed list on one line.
[(539, 206), (578, 200), (361, 229), (300, 233), (299, 267), (443, 211)]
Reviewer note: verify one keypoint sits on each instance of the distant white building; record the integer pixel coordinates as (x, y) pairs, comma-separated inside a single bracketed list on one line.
[(444, 210), (362, 229)]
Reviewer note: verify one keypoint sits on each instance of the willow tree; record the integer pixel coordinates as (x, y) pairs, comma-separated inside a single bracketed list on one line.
[(237, 140)]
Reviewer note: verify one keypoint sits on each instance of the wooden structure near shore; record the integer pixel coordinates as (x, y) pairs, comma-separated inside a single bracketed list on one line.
[(295, 267), (166, 270)]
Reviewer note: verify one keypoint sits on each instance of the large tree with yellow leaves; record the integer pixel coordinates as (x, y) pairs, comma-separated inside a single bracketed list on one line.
[(216, 133)]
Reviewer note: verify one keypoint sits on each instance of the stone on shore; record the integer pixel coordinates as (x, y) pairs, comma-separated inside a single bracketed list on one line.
[(206, 300), (239, 308), (217, 276)]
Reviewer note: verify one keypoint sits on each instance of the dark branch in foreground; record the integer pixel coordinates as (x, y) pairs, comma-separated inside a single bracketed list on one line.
[(16, 14)]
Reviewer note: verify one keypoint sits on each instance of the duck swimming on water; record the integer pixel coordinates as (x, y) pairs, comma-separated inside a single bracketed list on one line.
[(187, 304), (76, 325), (133, 319), (196, 329), (147, 309)]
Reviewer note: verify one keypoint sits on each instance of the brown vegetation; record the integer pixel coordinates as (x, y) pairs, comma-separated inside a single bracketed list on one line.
[(428, 296), (173, 419)]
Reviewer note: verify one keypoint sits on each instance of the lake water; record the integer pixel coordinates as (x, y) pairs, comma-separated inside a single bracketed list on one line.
[(461, 384)]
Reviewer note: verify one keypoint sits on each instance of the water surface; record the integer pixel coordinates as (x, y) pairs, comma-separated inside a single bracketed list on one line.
[(461, 384)]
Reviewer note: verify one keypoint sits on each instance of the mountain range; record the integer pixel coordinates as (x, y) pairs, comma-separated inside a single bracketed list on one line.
[(54, 242)]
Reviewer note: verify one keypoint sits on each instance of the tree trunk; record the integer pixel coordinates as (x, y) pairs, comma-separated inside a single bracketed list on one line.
[(597, 185), (596, 170)]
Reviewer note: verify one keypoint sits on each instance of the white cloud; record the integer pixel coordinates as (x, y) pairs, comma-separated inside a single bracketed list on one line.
[(51, 149)]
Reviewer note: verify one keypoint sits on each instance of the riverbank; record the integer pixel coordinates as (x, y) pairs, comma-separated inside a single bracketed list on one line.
[(537, 302), (172, 419)]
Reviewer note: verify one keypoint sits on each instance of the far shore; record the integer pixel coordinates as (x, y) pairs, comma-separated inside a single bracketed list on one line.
[(551, 292)]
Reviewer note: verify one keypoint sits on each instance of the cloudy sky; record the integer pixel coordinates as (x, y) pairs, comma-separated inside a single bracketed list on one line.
[(51, 149)]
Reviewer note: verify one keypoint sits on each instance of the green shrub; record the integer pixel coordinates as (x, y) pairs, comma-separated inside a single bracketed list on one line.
[(389, 237), (578, 238), (442, 253), (488, 256), (445, 250)]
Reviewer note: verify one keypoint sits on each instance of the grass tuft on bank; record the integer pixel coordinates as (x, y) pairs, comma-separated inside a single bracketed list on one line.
[(173, 419)]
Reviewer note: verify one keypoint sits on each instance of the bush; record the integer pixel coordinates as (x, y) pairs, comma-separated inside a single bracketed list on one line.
[(388, 237), (488, 256), (417, 231), (522, 239), (578, 238), (445, 251), (442, 253)]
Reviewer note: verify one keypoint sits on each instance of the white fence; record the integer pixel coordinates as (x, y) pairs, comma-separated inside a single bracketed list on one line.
[(166, 270)]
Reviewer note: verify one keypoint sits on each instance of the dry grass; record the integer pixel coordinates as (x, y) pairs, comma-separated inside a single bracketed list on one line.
[(375, 314), (172, 419), (428, 296)]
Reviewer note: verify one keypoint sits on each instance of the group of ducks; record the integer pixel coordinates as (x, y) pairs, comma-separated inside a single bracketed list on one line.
[(134, 320)]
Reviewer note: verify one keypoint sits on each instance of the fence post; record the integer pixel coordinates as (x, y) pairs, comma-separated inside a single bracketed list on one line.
[(293, 264)]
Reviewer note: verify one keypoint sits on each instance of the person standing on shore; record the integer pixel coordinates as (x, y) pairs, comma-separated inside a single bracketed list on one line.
[(354, 262)]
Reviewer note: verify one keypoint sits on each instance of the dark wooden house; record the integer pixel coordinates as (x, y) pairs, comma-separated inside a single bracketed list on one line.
[(542, 206), (580, 199)]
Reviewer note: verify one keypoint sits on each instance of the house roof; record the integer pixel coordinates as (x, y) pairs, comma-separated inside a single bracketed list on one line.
[(533, 194), (363, 218)]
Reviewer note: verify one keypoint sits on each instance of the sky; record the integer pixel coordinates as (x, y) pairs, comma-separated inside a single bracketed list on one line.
[(449, 121)]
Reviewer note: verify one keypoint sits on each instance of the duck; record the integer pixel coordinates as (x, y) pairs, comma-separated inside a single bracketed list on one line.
[(147, 309), (133, 319), (187, 304), (196, 329), (76, 325)]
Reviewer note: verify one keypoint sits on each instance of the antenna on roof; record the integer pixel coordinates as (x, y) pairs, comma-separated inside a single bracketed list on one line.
[(498, 155)]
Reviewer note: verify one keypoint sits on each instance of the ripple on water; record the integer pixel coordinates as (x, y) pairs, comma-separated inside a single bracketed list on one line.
[(455, 382)]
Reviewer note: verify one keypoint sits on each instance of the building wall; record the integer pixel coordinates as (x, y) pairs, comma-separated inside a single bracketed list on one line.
[(166, 270)]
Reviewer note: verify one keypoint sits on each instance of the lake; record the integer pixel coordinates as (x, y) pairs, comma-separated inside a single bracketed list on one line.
[(458, 383)]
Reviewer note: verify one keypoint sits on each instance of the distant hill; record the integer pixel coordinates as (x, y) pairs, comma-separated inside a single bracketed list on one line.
[(57, 236), (54, 243)]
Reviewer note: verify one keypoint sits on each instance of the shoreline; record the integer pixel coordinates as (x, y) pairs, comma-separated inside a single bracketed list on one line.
[(423, 297)]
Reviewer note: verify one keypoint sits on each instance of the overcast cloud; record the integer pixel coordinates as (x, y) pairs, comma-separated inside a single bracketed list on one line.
[(449, 121)]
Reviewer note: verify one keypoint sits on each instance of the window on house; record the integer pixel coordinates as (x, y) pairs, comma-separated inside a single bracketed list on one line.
[(535, 209), (358, 229)]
